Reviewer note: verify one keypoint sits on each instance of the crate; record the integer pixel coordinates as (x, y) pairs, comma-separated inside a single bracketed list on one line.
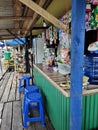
[(93, 81), (91, 68)]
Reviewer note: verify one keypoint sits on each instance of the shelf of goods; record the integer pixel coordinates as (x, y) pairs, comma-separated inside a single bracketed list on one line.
[(19, 63)]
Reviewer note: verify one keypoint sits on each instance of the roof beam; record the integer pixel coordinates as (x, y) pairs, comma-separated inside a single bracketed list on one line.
[(12, 29), (37, 28), (17, 11), (6, 38), (5, 35), (15, 36), (15, 18), (41, 3), (32, 5)]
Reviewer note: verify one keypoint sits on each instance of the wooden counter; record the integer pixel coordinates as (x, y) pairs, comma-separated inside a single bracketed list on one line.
[(56, 79)]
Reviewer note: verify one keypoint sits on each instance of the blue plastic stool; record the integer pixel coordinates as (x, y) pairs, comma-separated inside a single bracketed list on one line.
[(33, 98), (26, 80), (29, 89)]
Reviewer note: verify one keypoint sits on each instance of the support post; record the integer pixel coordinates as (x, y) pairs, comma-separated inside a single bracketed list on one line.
[(77, 51), (31, 53), (26, 56)]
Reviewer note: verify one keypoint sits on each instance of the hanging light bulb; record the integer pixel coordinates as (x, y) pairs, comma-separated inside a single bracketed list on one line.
[(44, 23)]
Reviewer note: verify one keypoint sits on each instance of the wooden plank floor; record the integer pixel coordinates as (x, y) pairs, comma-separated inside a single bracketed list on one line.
[(11, 104)]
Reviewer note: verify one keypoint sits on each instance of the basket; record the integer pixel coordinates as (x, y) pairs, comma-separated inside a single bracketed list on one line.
[(63, 68), (7, 55)]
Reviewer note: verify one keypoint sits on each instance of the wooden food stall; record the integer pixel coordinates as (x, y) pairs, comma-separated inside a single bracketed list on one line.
[(68, 109)]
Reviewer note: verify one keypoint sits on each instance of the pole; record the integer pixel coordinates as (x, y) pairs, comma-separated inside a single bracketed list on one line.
[(1, 63), (31, 53), (26, 56), (77, 51), (1, 68)]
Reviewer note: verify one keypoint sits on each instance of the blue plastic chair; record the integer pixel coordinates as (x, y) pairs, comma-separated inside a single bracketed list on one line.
[(29, 89), (26, 80), (29, 99)]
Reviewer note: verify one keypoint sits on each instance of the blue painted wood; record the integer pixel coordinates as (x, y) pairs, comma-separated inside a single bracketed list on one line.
[(77, 51)]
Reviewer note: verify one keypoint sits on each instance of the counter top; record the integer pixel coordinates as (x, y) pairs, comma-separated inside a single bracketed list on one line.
[(56, 79)]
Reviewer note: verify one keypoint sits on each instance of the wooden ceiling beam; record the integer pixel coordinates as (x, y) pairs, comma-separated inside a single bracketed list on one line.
[(15, 18), (12, 29), (38, 28), (6, 38), (17, 11), (18, 37), (5, 35), (0, 37), (32, 5), (34, 17)]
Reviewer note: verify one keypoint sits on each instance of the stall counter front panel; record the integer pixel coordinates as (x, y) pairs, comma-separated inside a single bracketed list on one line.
[(57, 101)]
